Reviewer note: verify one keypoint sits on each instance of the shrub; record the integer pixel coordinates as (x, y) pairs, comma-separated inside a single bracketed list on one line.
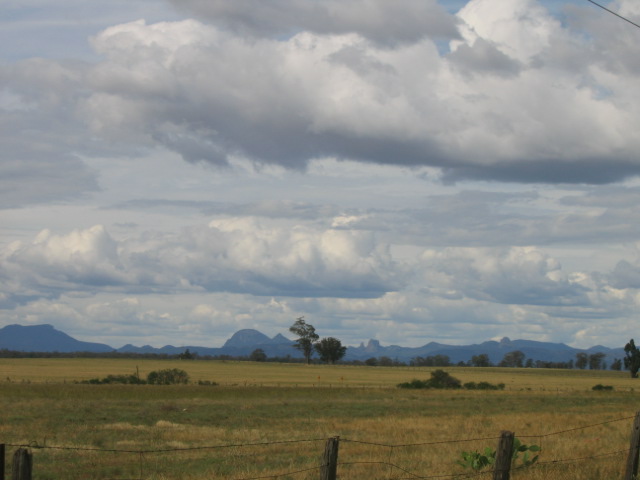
[(415, 383), (601, 387), (483, 386), (169, 376), (132, 379), (439, 379), (207, 383)]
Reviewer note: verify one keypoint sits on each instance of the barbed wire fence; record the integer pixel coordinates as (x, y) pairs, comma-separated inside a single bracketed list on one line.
[(357, 458)]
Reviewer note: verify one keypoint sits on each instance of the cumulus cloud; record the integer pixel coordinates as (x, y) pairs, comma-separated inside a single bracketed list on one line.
[(518, 96), (210, 94), (236, 255), (518, 275), (293, 101)]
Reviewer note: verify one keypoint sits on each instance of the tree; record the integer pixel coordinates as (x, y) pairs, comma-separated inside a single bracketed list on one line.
[(431, 361), (632, 359), (385, 361), (582, 359), (307, 337), (512, 359), (481, 360), (330, 350), (595, 361), (616, 364), (187, 355), (258, 355)]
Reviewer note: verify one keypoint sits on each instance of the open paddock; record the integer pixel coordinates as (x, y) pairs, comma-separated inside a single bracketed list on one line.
[(267, 419)]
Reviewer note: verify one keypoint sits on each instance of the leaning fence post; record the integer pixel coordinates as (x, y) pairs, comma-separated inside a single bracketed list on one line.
[(504, 453), (21, 468), (329, 469), (634, 450)]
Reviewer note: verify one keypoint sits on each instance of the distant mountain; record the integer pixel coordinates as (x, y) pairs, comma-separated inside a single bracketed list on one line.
[(241, 343), (546, 351), (251, 338), (45, 338)]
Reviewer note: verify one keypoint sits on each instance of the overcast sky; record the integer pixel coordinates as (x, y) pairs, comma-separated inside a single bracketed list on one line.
[(173, 171)]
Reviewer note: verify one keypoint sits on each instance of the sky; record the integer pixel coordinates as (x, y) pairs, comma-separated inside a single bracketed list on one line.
[(173, 171)]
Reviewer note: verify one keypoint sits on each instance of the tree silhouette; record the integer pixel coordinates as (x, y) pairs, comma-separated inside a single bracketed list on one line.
[(330, 350), (632, 359), (307, 337)]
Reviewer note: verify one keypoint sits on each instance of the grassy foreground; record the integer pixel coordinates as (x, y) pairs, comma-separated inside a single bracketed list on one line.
[(269, 420)]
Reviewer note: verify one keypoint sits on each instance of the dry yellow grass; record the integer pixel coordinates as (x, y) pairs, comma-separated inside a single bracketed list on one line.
[(237, 428), (60, 370)]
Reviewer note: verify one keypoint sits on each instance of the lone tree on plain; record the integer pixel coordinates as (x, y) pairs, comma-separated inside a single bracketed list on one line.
[(632, 359), (330, 350), (258, 355), (307, 337), (513, 359)]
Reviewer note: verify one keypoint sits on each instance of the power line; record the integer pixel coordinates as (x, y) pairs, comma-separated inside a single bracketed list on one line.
[(614, 13)]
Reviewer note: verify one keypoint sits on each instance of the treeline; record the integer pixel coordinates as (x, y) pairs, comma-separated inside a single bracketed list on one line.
[(515, 359), (186, 355)]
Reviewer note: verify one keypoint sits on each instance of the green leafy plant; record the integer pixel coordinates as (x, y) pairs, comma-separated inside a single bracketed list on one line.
[(526, 460), (476, 460), (521, 456)]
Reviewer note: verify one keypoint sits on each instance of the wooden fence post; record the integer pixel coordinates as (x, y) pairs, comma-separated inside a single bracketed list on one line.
[(2, 449), (329, 469), (22, 462), (634, 450), (504, 453)]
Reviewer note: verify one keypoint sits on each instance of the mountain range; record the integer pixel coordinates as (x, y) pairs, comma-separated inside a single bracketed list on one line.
[(45, 338)]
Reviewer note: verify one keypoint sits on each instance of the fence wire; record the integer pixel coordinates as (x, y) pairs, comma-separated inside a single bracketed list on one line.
[(395, 470)]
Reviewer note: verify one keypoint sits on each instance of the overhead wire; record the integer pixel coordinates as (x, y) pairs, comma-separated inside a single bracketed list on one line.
[(614, 13)]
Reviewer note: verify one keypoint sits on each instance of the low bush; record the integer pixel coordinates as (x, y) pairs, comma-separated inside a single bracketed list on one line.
[(600, 387), (168, 376), (439, 379), (208, 383), (483, 386), (132, 379), (415, 383)]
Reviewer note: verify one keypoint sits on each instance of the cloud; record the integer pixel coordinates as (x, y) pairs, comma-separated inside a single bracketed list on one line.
[(234, 255), (518, 275), (41, 135), (212, 95), (385, 23), (518, 97)]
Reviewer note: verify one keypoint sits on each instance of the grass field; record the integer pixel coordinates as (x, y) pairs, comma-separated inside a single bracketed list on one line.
[(234, 430)]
